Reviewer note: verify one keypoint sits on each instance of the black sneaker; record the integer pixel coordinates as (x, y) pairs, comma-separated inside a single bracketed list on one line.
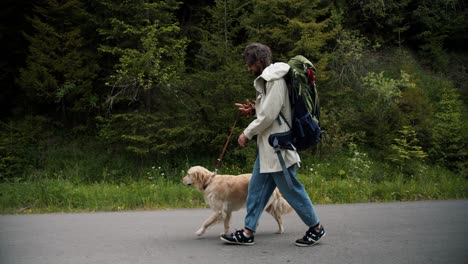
[(311, 237), (238, 238)]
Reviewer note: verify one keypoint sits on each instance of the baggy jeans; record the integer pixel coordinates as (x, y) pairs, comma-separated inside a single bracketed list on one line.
[(261, 187)]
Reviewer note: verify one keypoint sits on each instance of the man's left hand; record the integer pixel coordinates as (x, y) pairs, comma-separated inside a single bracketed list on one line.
[(242, 140)]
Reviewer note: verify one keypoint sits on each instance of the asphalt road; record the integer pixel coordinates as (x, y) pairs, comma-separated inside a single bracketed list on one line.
[(410, 232)]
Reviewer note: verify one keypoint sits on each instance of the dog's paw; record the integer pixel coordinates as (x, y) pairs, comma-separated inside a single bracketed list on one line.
[(200, 232), (280, 230)]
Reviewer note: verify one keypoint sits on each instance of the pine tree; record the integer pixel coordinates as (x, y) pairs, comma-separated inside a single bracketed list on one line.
[(217, 77), (382, 21), (406, 146), (142, 47), (406, 150), (448, 145), (293, 27), (59, 70), (146, 53), (439, 23)]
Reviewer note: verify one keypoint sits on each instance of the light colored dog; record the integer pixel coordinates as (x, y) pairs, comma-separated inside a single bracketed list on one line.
[(227, 193)]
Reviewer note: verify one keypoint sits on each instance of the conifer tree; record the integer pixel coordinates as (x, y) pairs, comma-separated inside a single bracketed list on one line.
[(293, 27), (406, 148), (145, 55), (142, 40), (217, 77), (449, 147), (381, 21), (440, 23), (59, 70)]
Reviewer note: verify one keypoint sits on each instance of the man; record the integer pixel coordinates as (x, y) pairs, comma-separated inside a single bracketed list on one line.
[(272, 98)]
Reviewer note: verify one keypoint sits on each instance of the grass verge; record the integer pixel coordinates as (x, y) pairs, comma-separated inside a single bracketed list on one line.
[(48, 195), (350, 177)]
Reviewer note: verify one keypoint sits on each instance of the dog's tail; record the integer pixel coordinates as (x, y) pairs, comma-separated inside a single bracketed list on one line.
[(278, 206)]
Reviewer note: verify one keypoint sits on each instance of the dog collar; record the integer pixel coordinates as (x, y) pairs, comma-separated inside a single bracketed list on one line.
[(209, 181)]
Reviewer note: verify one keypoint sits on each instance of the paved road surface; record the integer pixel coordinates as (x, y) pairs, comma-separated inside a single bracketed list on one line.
[(410, 232)]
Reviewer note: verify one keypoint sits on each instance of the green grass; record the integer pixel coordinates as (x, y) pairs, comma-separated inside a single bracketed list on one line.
[(358, 191), (56, 195), (356, 178), (50, 195), (80, 181)]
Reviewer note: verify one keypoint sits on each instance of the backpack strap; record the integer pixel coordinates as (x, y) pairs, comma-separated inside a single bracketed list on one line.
[(285, 120), (287, 176), (278, 148)]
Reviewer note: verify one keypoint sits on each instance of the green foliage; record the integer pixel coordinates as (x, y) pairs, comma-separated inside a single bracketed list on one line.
[(428, 26), (217, 80), (440, 20), (384, 21), (345, 61), (145, 135), (416, 111), (294, 27), (358, 177), (22, 145), (380, 95), (48, 196), (224, 23), (449, 147), (59, 69), (143, 40), (339, 129), (162, 77), (339, 107), (384, 90), (348, 177), (406, 149)]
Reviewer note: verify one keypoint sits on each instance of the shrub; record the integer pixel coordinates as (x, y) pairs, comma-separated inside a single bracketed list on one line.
[(22, 145)]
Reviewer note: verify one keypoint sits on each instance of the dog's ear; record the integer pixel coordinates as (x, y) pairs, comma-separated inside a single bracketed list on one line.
[(197, 177), (200, 176)]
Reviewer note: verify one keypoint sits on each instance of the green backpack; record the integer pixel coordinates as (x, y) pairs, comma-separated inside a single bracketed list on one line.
[(301, 80), (304, 132), (305, 129)]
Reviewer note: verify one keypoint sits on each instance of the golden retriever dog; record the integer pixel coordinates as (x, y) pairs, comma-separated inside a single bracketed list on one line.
[(228, 193)]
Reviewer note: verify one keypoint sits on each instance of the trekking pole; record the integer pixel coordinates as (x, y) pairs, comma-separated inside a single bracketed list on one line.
[(218, 164)]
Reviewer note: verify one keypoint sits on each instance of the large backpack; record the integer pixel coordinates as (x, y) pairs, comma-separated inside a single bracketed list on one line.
[(305, 129)]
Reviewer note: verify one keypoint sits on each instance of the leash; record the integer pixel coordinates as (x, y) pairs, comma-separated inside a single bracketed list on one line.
[(218, 164)]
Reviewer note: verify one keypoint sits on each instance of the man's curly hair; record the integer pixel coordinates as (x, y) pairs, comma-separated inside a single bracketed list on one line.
[(257, 52)]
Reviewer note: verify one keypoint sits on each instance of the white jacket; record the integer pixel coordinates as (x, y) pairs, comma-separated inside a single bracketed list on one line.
[(272, 97)]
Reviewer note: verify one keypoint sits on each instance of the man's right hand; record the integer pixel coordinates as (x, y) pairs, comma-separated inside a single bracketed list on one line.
[(246, 109)]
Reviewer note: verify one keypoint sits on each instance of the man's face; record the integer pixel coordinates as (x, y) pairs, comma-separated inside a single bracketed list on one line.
[(255, 68)]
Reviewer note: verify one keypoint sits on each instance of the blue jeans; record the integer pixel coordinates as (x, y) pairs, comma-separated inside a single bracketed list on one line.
[(261, 187)]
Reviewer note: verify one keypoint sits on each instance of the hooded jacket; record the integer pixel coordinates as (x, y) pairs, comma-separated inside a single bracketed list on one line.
[(272, 97)]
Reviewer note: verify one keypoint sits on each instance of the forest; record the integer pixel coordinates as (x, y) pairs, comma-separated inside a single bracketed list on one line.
[(140, 83)]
